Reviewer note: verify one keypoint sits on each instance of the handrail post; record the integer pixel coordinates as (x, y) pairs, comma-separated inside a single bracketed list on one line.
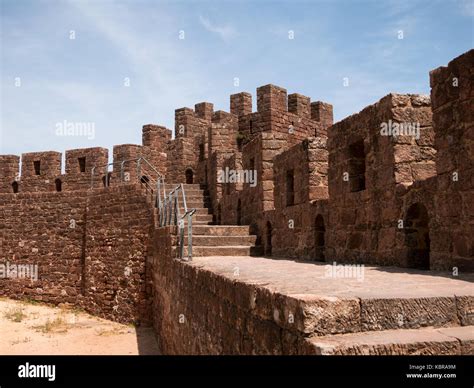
[(190, 236), (170, 204), (184, 198), (176, 207), (181, 238)]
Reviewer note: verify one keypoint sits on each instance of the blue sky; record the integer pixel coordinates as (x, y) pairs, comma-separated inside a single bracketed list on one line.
[(82, 79)]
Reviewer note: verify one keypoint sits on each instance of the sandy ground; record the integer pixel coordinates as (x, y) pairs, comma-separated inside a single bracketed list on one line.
[(30, 328)]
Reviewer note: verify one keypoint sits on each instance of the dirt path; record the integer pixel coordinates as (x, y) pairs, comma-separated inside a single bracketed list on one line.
[(29, 329)]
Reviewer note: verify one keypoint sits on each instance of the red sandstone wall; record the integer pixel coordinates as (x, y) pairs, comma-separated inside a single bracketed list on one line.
[(90, 247), (452, 96), (236, 318), (363, 224), (46, 229), (289, 230), (119, 223), (9, 172)]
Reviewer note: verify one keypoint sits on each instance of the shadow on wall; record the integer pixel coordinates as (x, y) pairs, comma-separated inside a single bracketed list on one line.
[(146, 341)]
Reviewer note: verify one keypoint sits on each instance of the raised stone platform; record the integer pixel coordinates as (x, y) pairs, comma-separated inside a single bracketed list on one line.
[(293, 277), (384, 311)]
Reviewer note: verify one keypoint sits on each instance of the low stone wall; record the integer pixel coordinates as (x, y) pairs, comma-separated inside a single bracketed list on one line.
[(45, 230), (196, 311), (89, 247)]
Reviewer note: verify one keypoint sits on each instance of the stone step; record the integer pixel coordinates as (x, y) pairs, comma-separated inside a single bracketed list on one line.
[(192, 194), (221, 230), (200, 240), (220, 250), (424, 341), (194, 204), (202, 217)]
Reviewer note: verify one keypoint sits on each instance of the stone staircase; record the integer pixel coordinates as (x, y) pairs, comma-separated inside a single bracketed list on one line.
[(209, 239)]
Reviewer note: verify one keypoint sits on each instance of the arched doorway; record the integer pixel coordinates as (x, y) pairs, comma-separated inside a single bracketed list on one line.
[(189, 176), (59, 184), (417, 237), (268, 242), (15, 187), (319, 231)]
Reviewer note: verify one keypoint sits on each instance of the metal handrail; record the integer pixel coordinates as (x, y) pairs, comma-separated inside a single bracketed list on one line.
[(172, 216), (122, 168), (168, 204)]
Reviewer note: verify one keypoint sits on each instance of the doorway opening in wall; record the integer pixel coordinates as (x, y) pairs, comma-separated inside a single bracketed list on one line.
[(417, 237), (37, 167), (319, 231), (82, 164), (268, 245), (357, 166), (239, 212), (15, 187), (106, 179), (189, 176), (58, 184)]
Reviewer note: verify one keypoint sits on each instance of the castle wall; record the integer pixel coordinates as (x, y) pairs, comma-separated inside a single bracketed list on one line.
[(119, 224), (369, 172), (79, 165), (9, 172), (236, 318), (90, 248), (47, 230), (300, 180), (222, 144), (191, 130), (452, 96), (39, 171), (280, 122)]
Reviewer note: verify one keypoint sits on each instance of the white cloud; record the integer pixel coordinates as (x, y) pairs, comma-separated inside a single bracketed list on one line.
[(467, 7), (225, 32)]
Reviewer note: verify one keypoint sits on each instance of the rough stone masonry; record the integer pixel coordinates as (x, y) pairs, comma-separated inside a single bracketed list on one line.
[(389, 186)]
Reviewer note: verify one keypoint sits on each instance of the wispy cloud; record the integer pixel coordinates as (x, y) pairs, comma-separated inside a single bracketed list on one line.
[(467, 7), (225, 32)]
